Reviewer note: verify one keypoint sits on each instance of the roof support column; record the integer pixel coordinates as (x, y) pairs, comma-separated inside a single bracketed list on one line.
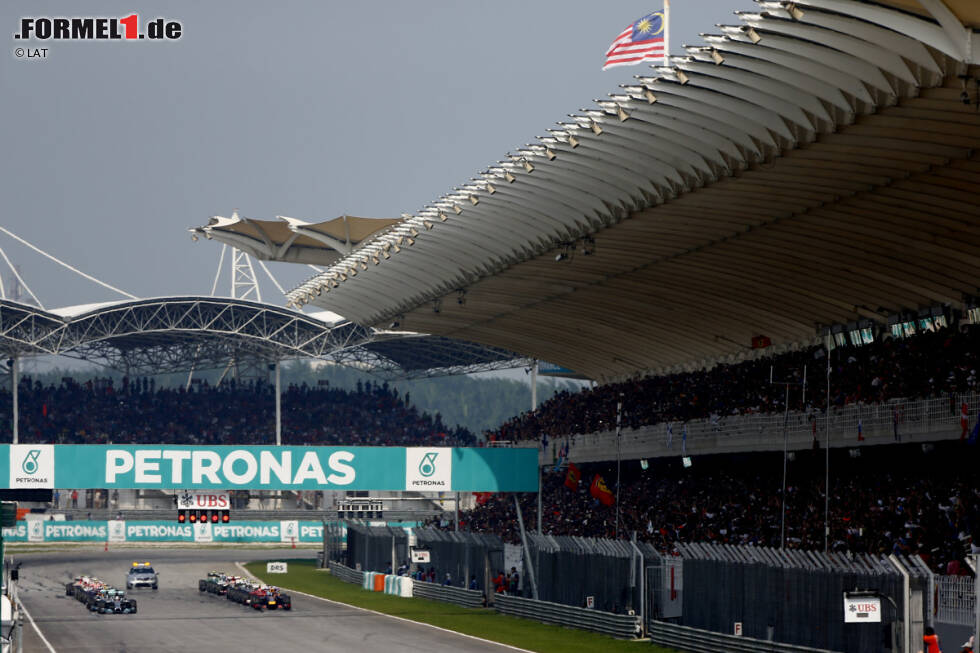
[(278, 405), (14, 382)]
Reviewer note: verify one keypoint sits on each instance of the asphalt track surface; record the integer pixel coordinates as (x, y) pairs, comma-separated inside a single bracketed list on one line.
[(177, 617)]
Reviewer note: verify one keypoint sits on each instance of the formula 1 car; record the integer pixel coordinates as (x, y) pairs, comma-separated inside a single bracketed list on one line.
[(112, 601), (271, 598), (217, 583), (242, 590)]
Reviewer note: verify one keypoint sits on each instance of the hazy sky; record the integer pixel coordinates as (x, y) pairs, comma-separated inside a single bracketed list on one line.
[(111, 150)]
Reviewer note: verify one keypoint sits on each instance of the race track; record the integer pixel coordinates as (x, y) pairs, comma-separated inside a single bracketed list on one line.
[(178, 617)]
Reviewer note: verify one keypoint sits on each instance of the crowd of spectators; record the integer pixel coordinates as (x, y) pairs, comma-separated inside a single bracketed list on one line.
[(925, 365), (892, 499), (138, 412)]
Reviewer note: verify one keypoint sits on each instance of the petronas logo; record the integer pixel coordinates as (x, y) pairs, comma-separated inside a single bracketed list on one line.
[(30, 461), (428, 465)]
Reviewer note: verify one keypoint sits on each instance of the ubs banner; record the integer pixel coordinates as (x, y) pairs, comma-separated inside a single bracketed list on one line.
[(166, 531), (434, 469)]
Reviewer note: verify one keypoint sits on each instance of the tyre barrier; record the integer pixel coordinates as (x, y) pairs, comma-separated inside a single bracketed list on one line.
[(375, 582), (695, 640)]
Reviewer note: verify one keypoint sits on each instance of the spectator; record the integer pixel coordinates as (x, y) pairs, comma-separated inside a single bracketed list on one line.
[(893, 499), (499, 583), (926, 365), (74, 498), (448, 580), (232, 413), (513, 580)]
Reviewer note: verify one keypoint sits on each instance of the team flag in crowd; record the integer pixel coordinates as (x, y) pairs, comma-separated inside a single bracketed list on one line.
[(573, 476), (562, 456), (644, 40), (482, 497), (600, 491)]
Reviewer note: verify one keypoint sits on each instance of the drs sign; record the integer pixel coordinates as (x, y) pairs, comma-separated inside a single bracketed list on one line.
[(275, 567)]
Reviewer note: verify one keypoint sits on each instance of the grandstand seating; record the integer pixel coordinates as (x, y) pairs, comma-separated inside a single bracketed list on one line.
[(891, 499), (244, 413), (926, 365)]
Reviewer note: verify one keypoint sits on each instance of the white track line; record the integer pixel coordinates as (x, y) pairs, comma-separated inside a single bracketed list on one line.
[(390, 616), (36, 629)]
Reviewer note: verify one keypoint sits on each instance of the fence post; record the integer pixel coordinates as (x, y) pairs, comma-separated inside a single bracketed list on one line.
[(906, 608), (527, 552)]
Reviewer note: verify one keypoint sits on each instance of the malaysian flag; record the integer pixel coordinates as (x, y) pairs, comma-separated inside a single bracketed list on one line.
[(642, 41)]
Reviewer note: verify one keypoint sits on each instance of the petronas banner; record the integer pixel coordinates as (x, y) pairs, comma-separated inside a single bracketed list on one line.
[(419, 469), (36, 530)]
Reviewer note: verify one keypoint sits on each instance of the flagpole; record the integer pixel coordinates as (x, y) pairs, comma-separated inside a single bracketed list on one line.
[(826, 483), (619, 431), (666, 32)]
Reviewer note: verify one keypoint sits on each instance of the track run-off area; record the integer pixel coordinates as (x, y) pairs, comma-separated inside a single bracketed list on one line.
[(178, 617)]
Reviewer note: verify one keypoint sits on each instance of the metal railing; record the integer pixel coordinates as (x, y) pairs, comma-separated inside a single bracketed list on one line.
[(346, 574), (912, 419), (448, 594), (694, 640), (955, 600), (623, 626)]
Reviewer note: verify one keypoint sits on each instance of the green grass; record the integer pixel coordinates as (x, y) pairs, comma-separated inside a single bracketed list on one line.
[(485, 623)]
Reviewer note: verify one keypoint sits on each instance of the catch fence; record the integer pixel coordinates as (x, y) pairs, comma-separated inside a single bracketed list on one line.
[(570, 570), (461, 555), (796, 597), (956, 600)]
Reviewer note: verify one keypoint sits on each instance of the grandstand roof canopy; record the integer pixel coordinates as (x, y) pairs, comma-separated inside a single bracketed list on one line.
[(169, 334), (292, 240), (813, 164)]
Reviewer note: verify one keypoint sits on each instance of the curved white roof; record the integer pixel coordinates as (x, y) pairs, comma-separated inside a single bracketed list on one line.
[(813, 164)]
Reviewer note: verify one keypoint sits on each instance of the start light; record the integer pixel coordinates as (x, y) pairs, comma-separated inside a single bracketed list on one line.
[(192, 517)]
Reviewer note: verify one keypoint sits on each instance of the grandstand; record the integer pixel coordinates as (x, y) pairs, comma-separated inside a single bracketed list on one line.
[(789, 208), (791, 204)]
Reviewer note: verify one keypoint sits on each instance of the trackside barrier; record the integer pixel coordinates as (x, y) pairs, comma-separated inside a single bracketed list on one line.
[(622, 626), (456, 595), (118, 531), (694, 640), (347, 574)]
